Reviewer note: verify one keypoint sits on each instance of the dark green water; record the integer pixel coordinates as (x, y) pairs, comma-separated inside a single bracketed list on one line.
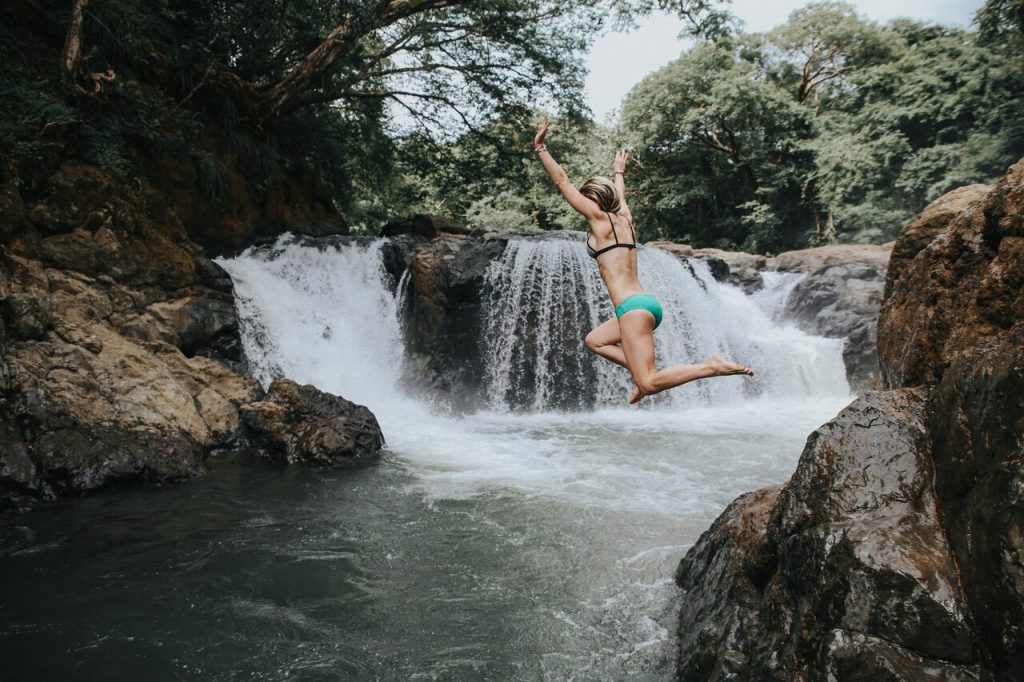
[(293, 574)]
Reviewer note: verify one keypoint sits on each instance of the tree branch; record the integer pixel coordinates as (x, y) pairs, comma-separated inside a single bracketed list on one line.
[(338, 43)]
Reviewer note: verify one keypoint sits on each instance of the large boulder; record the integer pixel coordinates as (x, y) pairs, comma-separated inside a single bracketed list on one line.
[(895, 549), (843, 573), (304, 424), (444, 314), (954, 321)]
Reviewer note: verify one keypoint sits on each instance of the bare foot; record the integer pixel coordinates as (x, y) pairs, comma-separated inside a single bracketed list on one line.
[(636, 396), (723, 367)]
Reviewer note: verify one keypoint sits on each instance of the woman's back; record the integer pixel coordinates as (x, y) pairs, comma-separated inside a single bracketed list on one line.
[(612, 242)]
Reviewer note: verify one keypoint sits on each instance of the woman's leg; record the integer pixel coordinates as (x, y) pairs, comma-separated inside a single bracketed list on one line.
[(604, 340), (637, 330)]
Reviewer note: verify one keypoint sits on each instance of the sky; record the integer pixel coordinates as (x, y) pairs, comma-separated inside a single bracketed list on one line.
[(618, 61)]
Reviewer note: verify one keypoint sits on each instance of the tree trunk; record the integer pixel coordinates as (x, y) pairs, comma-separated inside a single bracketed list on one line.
[(73, 47), (830, 229)]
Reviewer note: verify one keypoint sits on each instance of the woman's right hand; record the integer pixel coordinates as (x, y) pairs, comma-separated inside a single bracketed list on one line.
[(619, 166), (542, 130)]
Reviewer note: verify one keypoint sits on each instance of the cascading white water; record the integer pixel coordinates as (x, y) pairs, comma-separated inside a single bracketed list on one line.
[(321, 315), (775, 291), (324, 314), (544, 295)]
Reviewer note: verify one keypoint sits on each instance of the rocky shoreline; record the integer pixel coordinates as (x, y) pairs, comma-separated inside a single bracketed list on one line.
[(120, 358), (894, 551)]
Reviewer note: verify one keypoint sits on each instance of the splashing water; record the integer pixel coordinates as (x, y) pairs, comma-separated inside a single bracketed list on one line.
[(544, 295)]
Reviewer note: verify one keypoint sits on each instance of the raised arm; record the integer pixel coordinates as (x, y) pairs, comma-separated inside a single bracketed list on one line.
[(619, 166), (583, 205)]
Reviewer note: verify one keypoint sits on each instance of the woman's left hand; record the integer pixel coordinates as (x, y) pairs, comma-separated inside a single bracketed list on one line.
[(542, 130)]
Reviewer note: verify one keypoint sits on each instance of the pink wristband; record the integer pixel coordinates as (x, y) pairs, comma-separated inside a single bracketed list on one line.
[(538, 145), (620, 172)]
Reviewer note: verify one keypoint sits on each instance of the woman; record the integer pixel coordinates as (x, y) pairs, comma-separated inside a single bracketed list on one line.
[(628, 338)]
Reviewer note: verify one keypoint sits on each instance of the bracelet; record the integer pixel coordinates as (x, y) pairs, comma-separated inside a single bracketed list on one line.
[(620, 172), (540, 147)]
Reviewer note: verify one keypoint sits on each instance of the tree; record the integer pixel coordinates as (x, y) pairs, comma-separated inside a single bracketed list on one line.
[(438, 60), (824, 41), (720, 143), (1001, 24), (828, 128)]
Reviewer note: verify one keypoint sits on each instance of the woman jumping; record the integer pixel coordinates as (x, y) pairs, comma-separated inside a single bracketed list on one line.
[(628, 338)]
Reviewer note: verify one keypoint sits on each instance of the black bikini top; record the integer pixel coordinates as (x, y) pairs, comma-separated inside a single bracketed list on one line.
[(594, 253)]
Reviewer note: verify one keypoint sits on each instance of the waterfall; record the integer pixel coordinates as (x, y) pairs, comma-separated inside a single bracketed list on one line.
[(320, 313), (774, 293), (543, 296), (324, 313)]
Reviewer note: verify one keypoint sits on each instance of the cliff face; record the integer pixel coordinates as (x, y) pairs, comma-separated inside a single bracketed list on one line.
[(954, 320), (119, 348), (895, 549)]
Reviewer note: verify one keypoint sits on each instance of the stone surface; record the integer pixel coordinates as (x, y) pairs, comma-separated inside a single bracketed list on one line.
[(443, 314), (954, 321), (839, 298), (743, 269), (421, 225), (794, 581), (960, 290), (303, 424), (896, 551)]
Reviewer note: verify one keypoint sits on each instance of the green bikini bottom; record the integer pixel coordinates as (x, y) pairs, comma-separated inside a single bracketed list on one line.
[(646, 302)]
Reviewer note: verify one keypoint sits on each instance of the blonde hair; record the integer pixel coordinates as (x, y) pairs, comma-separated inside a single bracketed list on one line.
[(601, 191)]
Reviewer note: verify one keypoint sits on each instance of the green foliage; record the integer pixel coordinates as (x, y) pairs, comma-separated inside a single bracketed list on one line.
[(722, 145), (492, 178), (828, 128), (213, 176), (1001, 25), (30, 112)]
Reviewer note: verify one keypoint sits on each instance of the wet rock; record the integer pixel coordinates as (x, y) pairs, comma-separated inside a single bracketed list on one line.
[(839, 298), (421, 225), (934, 219), (742, 269), (83, 458), (20, 482), (731, 267), (444, 314), (954, 321), (789, 579), (964, 287), (303, 424), (119, 344)]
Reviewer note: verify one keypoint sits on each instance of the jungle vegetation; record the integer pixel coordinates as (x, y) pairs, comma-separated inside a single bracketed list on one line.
[(829, 128)]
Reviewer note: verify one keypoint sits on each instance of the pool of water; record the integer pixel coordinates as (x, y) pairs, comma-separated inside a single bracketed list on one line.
[(492, 547)]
